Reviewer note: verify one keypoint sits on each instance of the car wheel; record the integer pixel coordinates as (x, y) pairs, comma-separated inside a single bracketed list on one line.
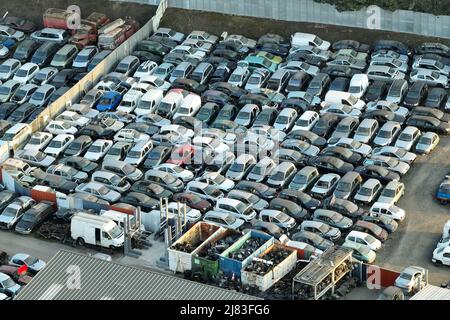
[(80, 241), (444, 202), (112, 247)]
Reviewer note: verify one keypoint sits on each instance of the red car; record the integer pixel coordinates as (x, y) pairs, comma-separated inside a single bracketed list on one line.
[(193, 201), (12, 272), (182, 155)]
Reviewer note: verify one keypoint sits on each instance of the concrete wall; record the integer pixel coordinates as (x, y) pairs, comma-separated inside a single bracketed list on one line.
[(309, 11)]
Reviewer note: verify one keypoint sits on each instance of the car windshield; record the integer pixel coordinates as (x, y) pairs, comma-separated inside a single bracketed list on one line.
[(300, 179), (5, 68), (115, 232), (134, 154), (4, 91), (282, 120), (282, 217), (30, 260), (29, 217), (237, 167), (425, 140), (55, 144), (8, 283), (229, 219), (405, 276), (82, 58), (389, 193), (365, 131), (277, 176), (218, 179), (212, 191), (235, 77), (254, 80), (364, 191), (384, 134), (344, 186), (405, 137), (9, 212)]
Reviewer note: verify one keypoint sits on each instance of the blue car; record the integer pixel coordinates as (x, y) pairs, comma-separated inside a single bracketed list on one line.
[(109, 101), (7, 42), (443, 193)]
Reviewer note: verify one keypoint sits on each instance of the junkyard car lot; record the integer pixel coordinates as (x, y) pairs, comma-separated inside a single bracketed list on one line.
[(399, 243)]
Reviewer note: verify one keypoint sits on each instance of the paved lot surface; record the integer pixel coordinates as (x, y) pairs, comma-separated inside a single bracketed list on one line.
[(413, 243)]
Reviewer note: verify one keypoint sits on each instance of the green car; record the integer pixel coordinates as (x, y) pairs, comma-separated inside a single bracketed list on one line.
[(361, 251), (254, 62), (272, 58)]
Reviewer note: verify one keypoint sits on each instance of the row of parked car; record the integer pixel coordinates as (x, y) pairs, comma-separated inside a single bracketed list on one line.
[(318, 162)]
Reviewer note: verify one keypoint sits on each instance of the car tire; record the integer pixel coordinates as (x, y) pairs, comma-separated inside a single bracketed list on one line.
[(80, 241), (443, 202), (111, 247)]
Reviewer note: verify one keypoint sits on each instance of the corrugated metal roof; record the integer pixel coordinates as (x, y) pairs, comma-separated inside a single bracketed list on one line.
[(103, 280), (431, 292)]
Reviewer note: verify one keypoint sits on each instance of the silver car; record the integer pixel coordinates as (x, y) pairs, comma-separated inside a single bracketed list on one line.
[(431, 77), (389, 163), (99, 190)]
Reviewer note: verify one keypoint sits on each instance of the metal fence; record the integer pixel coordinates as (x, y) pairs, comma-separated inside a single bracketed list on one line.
[(371, 17)]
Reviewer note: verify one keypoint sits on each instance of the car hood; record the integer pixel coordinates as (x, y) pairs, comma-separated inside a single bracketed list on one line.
[(6, 220), (39, 265)]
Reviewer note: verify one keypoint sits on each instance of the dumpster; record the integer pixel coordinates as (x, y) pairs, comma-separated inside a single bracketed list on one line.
[(181, 251), (206, 259), (236, 257), (269, 267)]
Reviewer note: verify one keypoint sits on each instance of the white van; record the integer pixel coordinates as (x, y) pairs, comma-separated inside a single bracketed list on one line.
[(343, 98), (130, 101), (190, 105), (96, 230), (299, 39), (17, 136), (16, 165), (358, 85), (149, 101), (119, 218)]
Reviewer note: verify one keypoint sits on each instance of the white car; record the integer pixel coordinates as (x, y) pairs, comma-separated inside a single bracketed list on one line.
[(35, 158), (204, 190), (388, 106), (99, 190), (387, 210), (11, 33), (155, 82), (341, 110), (38, 141), (306, 121), (58, 144), (176, 171), (145, 69), (73, 118), (14, 211), (364, 238), (442, 255), (285, 119), (192, 215), (24, 93), (26, 72), (60, 127), (353, 145), (408, 138), (34, 264), (429, 76), (98, 149), (130, 135), (214, 145), (216, 180), (183, 134), (8, 89), (392, 192), (8, 68)]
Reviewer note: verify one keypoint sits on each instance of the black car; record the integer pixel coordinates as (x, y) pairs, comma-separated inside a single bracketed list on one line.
[(301, 198), (260, 189), (307, 58), (342, 153), (189, 122), (292, 156), (228, 112), (79, 163), (252, 98), (383, 116), (168, 43), (437, 97), (269, 228), (78, 146), (298, 81), (416, 94), (57, 94), (350, 44), (216, 97), (431, 112), (153, 47), (340, 71), (189, 85), (97, 131), (433, 48), (221, 73), (151, 189), (21, 113), (142, 200), (33, 217), (227, 54), (225, 125), (289, 207), (232, 46), (216, 61), (340, 84), (157, 155), (229, 89), (393, 45), (147, 56), (330, 164), (6, 197), (343, 206), (4, 126), (25, 50), (307, 136), (207, 112), (36, 112), (319, 84), (6, 109), (272, 38), (63, 78), (426, 123), (45, 53), (377, 172), (312, 239), (326, 124), (377, 90), (18, 23), (274, 49), (266, 117)]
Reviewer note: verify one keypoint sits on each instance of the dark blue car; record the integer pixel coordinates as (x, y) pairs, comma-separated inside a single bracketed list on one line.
[(109, 101), (443, 192)]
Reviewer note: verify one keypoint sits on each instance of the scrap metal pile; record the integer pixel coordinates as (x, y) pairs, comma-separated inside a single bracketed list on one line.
[(249, 246), (213, 251), (262, 266)]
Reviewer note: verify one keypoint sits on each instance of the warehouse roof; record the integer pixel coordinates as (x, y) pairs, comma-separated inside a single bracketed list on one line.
[(431, 292), (73, 276)]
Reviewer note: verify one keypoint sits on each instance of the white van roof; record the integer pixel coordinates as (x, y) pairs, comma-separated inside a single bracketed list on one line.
[(94, 219)]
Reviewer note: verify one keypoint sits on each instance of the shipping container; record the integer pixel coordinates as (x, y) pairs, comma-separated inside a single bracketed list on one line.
[(180, 252), (230, 266), (210, 267), (277, 272)]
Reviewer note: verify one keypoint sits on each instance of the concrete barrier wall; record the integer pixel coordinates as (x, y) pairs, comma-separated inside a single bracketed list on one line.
[(371, 17)]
